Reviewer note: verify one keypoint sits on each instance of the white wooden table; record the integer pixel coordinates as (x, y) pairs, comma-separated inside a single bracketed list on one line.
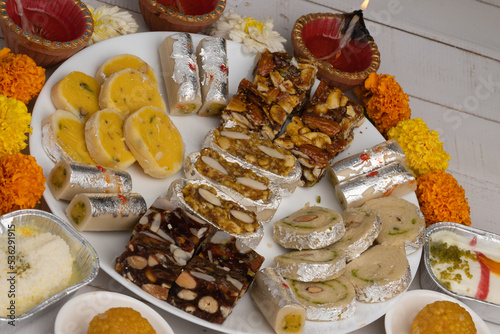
[(446, 56)]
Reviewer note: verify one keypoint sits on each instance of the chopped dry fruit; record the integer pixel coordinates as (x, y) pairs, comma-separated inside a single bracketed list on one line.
[(226, 214), (164, 241), (206, 291), (232, 255)]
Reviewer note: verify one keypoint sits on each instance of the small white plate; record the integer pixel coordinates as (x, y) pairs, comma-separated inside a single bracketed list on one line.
[(74, 317), (400, 317)]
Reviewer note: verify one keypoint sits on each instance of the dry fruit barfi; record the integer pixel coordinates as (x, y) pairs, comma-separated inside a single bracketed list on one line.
[(311, 227), (313, 265), (219, 209), (214, 73), (362, 227), (278, 303), (105, 212), (181, 74), (207, 291), (261, 155), (253, 191), (67, 179), (379, 274), (403, 224)]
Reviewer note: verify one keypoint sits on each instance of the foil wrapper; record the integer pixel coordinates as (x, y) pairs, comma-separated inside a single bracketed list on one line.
[(106, 212), (214, 73), (313, 267), (175, 196), (286, 184), (393, 179), (276, 300), (180, 71), (67, 179), (264, 209), (379, 293), (366, 161)]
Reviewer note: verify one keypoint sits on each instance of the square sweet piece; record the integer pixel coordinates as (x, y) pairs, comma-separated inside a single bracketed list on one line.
[(207, 291)]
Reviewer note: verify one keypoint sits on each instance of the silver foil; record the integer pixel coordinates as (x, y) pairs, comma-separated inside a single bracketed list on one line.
[(310, 271), (214, 73), (286, 184), (377, 293), (86, 260), (366, 161), (271, 294), (487, 310), (392, 179), (174, 195), (86, 178), (264, 209), (117, 205)]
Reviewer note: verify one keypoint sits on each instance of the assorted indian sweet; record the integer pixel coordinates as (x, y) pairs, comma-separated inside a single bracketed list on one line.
[(118, 320), (181, 74), (184, 260), (466, 264), (443, 316), (121, 62), (34, 280)]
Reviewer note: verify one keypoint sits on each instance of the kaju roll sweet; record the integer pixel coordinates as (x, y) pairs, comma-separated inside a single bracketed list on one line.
[(180, 73), (277, 302), (366, 161), (67, 179), (105, 212), (213, 68), (255, 192), (311, 227), (393, 179)]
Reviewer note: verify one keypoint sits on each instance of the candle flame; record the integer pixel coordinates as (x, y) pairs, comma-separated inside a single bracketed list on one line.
[(364, 4)]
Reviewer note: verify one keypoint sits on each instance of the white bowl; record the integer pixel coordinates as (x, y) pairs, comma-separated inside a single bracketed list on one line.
[(400, 317), (74, 317)]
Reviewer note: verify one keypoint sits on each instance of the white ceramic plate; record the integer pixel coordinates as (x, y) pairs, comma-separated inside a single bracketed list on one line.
[(75, 316), (400, 317), (246, 318)]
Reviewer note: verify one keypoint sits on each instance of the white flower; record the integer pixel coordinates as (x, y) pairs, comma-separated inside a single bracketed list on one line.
[(256, 36), (109, 22)]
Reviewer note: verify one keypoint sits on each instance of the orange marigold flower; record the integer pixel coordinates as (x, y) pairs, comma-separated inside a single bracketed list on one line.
[(385, 102), (424, 152), (14, 124), (442, 199), (22, 182), (20, 77)]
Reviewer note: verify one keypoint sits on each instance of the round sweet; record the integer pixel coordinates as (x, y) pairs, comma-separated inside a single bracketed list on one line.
[(119, 320), (122, 62), (443, 316)]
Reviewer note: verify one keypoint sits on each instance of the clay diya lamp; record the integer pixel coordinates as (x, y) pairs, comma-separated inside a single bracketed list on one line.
[(181, 15), (340, 44), (47, 31)]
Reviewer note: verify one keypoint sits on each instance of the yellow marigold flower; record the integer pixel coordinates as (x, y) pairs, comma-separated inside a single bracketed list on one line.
[(442, 199), (14, 124), (385, 102), (20, 77), (21, 182), (424, 152)]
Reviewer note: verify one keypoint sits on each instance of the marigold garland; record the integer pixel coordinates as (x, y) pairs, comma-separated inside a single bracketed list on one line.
[(442, 199), (424, 152), (385, 102), (14, 124), (20, 77), (22, 182)]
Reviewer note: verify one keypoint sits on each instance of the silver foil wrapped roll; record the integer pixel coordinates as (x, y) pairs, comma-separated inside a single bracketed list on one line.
[(181, 74), (67, 179), (175, 195), (277, 302), (105, 212), (366, 161), (263, 208), (392, 179), (214, 73), (286, 184)]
